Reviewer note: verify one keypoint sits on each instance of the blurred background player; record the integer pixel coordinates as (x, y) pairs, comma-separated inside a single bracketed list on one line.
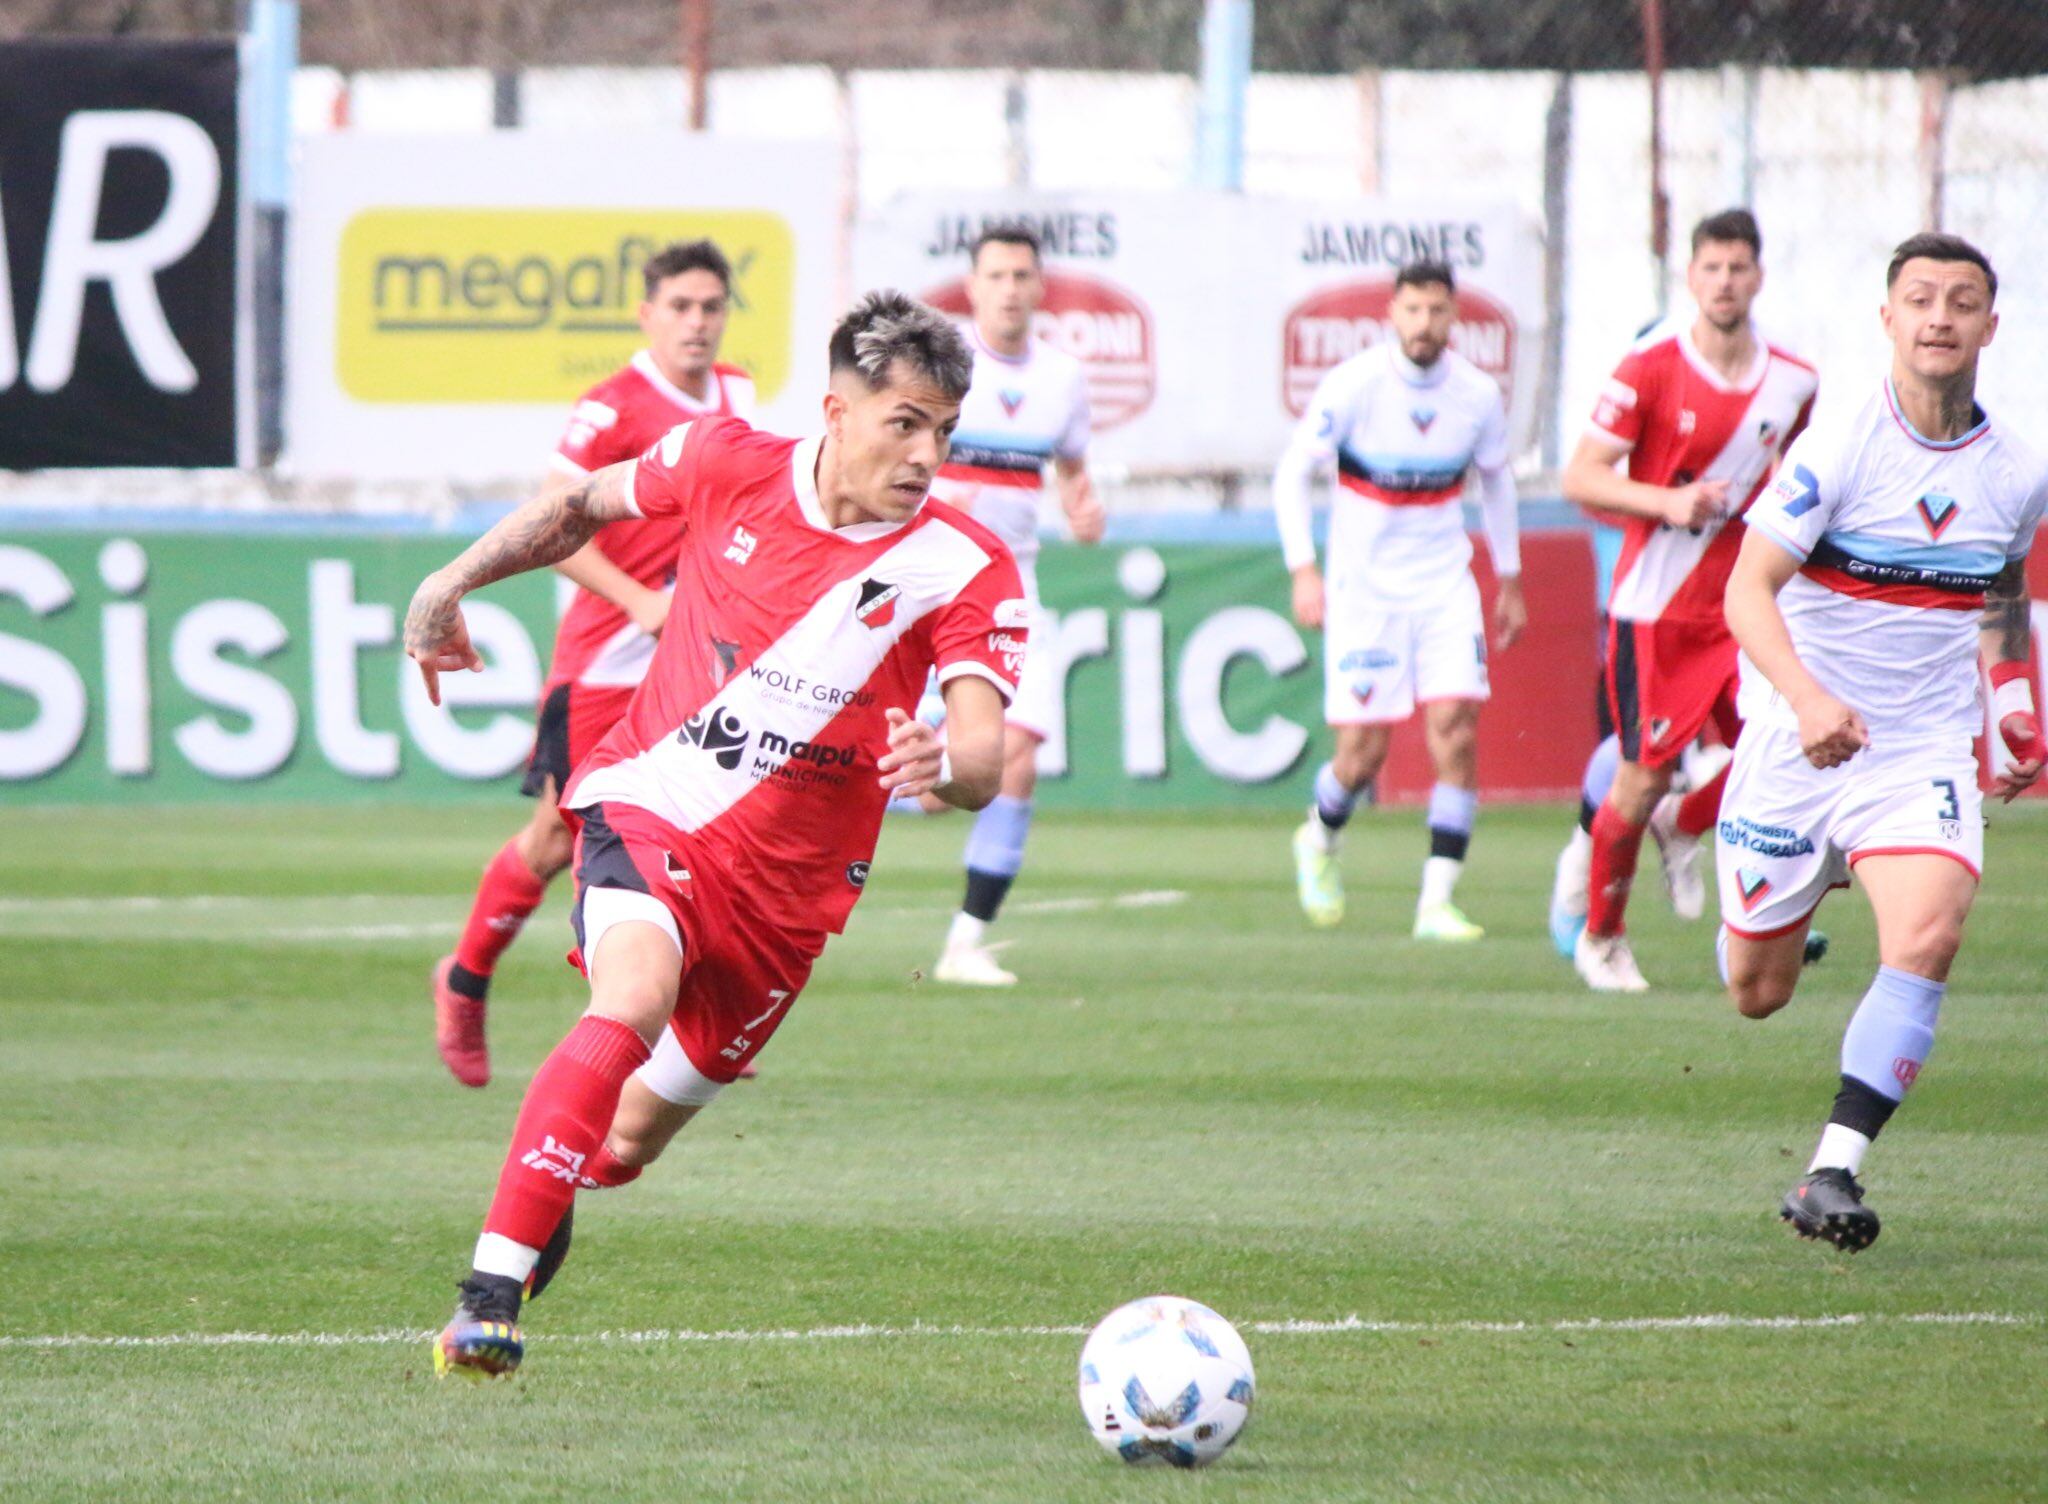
[(1402, 421), (1892, 548), (726, 825), (605, 640), (1028, 405), (1700, 413)]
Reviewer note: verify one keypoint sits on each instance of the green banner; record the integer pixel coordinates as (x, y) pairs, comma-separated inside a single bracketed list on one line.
[(264, 664)]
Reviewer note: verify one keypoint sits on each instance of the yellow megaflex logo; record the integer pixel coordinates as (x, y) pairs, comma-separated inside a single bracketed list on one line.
[(534, 305)]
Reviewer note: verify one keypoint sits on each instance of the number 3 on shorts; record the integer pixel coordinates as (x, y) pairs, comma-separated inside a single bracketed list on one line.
[(1950, 809)]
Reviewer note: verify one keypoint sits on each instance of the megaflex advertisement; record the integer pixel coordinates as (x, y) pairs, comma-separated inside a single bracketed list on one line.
[(453, 298), (1204, 320)]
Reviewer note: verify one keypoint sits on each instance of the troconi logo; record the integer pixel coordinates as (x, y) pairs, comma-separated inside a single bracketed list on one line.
[(533, 305), (1098, 323), (1335, 323)]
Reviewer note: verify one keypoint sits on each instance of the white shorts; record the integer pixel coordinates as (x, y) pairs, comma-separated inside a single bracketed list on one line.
[(1036, 708), (1790, 831), (1380, 663), (668, 1072)]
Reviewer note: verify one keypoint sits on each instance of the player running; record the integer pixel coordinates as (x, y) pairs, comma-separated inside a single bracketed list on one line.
[(1403, 422), (1891, 548), (605, 640), (1028, 405), (727, 823), (1700, 413)]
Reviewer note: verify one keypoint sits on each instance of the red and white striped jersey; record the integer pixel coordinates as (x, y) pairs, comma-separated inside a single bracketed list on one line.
[(759, 725), (1020, 413), (1898, 536), (1681, 422), (615, 421)]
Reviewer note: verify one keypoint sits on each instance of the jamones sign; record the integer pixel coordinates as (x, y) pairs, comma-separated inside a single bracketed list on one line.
[(118, 223)]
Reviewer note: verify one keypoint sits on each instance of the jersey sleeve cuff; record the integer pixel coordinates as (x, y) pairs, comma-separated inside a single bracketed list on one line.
[(567, 466), (632, 486), (1594, 430), (980, 671), (1794, 549)]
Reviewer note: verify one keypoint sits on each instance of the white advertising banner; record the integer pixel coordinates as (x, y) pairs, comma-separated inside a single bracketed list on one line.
[(452, 296), (1205, 319)]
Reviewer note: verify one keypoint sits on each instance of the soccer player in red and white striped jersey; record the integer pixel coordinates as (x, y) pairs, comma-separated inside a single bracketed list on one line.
[(605, 639), (727, 823), (1700, 414)]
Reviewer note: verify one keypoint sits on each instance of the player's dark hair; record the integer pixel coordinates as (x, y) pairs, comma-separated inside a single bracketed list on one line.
[(1933, 246), (1728, 226), (884, 328), (1426, 274), (681, 256), (1007, 232)]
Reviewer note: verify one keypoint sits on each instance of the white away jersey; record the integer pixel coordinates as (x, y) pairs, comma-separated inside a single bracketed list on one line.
[(1899, 536), (1402, 438), (1020, 413)]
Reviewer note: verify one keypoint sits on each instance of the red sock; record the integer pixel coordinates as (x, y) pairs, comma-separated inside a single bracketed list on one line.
[(508, 893), (1616, 845), (562, 1123), (608, 1170), (1698, 810)]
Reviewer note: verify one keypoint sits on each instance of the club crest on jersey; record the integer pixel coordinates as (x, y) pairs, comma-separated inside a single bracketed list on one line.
[(1011, 400), (877, 604), (1937, 511), (717, 732), (1423, 417), (1767, 434), (1754, 886), (1660, 727)]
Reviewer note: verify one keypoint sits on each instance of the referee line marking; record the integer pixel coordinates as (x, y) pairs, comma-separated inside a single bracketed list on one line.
[(662, 1336)]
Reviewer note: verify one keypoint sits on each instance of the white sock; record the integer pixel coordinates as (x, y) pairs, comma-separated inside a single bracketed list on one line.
[(1324, 836), (1439, 880), (498, 1254), (966, 931), (1840, 1149)]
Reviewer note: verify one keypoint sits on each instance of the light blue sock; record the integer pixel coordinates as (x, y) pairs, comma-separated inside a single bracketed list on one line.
[(1334, 802), (1892, 1032), (996, 844)]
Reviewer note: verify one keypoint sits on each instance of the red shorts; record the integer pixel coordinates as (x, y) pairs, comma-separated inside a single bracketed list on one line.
[(740, 973), (1665, 681), (573, 719)]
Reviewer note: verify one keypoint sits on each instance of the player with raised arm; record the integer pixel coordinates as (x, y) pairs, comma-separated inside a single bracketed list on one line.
[(1027, 407), (1401, 423), (727, 823), (1890, 551), (605, 640), (1700, 413)]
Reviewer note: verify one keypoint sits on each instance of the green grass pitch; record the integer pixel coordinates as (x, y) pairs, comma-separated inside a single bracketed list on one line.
[(220, 1112)]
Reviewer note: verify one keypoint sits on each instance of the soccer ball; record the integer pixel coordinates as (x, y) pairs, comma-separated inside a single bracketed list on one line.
[(1166, 1380)]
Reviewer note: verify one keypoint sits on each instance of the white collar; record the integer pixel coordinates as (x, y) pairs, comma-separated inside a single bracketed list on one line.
[(1432, 375), (1713, 378), (803, 478), (643, 362)]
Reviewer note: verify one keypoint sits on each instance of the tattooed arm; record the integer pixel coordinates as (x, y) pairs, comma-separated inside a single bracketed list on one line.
[(544, 531), (2007, 641), (2008, 631)]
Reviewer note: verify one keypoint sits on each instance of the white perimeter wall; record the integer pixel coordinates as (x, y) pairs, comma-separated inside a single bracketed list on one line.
[(1831, 161)]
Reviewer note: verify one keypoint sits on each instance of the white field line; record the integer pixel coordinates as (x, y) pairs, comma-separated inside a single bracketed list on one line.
[(146, 904), (663, 1336)]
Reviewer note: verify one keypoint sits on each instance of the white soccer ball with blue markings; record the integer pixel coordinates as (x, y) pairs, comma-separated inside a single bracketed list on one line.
[(1166, 1380)]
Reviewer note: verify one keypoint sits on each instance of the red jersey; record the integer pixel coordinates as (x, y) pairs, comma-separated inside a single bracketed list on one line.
[(616, 420), (759, 725), (1681, 421)]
